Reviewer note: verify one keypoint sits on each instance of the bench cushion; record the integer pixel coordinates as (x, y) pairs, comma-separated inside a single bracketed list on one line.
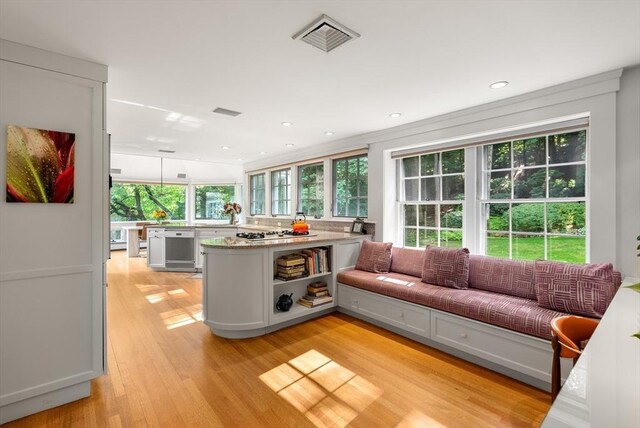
[(408, 261), (448, 267), (505, 276), (511, 312), (374, 256)]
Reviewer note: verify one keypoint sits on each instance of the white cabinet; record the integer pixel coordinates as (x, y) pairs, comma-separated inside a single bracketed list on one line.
[(155, 248), (210, 233)]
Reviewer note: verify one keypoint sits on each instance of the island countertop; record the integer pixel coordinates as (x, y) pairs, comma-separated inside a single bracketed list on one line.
[(231, 242)]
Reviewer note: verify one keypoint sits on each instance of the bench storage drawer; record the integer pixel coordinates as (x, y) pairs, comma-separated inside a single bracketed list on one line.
[(525, 354), (404, 315)]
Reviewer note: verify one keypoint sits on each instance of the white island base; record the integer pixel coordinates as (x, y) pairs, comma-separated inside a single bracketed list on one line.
[(240, 292)]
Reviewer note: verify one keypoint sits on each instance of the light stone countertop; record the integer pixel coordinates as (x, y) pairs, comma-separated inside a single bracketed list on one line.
[(230, 242)]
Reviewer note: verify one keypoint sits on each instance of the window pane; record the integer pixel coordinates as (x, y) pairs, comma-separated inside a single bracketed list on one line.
[(498, 217), (352, 207), (429, 164), (430, 190), (450, 239), (411, 167), (363, 187), (451, 216), (500, 185), (427, 237), (410, 215), (568, 147), (566, 218), (528, 247), (350, 187), (566, 181), (411, 189), (137, 202), (498, 156), (453, 161), (410, 237), (498, 244), (364, 207), (453, 188), (567, 248), (530, 183), (210, 201), (527, 217), (529, 152), (427, 215)]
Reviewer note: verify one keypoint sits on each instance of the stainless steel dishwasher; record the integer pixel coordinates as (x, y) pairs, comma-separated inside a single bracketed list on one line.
[(179, 246)]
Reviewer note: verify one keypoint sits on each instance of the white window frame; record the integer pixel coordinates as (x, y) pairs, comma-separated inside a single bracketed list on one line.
[(288, 191), (358, 198), (252, 199), (300, 201)]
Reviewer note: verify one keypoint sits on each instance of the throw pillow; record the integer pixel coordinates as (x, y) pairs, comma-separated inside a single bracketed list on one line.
[(576, 289), (448, 267), (375, 257)]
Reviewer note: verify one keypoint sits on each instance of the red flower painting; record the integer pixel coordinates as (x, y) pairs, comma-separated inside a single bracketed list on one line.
[(40, 165)]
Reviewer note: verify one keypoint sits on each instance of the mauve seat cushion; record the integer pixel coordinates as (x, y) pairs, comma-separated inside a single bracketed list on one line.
[(505, 276), (408, 261), (511, 312)]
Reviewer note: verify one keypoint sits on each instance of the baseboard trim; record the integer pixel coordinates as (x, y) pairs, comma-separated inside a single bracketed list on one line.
[(29, 406), (39, 390)]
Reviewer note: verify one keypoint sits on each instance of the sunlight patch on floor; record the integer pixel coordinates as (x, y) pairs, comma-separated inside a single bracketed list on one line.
[(417, 419), (328, 394)]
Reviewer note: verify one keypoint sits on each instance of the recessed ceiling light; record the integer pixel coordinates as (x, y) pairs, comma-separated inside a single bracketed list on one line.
[(286, 123), (225, 147), (289, 145), (197, 158), (329, 133), (239, 159), (263, 153), (498, 85), (395, 115)]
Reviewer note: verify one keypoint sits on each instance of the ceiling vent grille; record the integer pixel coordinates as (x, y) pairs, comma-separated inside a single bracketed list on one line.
[(182, 175), (325, 34), (227, 112)]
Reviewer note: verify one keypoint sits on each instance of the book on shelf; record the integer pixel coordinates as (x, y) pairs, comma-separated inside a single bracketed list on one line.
[(291, 269), (290, 260), (289, 277), (318, 293), (317, 286), (313, 301), (317, 260)]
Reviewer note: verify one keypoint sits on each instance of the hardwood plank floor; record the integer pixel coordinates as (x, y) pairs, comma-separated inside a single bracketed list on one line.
[(167, 370)]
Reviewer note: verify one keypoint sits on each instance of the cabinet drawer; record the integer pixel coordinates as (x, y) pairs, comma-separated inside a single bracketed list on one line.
[(215, 233), (388, 310), (179, 233), (526, 354)]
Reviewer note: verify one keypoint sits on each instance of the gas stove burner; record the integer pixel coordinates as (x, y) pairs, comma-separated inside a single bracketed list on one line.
[(250, 235), (273, 232), (295, 233)]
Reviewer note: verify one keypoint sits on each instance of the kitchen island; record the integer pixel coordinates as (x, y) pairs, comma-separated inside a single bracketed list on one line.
[(239, 289)]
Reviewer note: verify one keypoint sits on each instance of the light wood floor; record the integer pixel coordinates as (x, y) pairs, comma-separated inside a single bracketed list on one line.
[(167, 370)]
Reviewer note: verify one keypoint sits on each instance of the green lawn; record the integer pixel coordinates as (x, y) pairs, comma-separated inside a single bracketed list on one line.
[(561, 248)]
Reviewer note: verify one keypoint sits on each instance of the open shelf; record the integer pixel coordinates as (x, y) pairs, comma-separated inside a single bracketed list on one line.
[(298, 310), (318, 275)]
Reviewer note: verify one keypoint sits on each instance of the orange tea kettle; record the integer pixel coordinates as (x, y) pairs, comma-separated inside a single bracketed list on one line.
[(299, 224)]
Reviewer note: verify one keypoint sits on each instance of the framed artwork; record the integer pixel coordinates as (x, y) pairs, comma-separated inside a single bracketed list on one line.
[(40, 165), (357, 225)]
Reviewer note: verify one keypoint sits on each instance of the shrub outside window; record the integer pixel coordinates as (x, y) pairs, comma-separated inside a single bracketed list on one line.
[(210, 200), (433, 195), (281, 192), (311, 189), (350, 191), (535, 198), (256, 194), (138, 201)]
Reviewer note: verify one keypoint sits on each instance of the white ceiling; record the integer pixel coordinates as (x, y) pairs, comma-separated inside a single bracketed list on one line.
[(181, 59)]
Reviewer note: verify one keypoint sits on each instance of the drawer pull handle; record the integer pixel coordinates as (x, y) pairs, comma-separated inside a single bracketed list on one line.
[(463, 335)]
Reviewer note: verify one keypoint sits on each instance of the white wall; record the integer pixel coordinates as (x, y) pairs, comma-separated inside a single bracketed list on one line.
[(628, 172), (52, 255)]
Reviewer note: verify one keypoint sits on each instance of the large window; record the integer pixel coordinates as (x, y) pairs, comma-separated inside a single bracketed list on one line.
[(535, 198), (256, 194), (350, 191), (210, 201), (528, 197), (433, 192), (311, 189), (137, 202), (281, 192)]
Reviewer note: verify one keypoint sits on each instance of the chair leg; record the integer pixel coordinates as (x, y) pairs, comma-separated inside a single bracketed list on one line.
[(555, 369)]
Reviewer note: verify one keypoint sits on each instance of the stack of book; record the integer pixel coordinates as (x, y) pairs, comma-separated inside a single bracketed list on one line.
[(291, 266), (317, 260), (317, 294)]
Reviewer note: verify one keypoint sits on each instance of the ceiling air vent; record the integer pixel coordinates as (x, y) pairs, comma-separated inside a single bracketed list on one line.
[(325, 34), (226, 112), (182, 175)]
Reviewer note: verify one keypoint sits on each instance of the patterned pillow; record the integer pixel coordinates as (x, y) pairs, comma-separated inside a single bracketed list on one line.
[(375, 257), (575, 289), (446, 266)]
